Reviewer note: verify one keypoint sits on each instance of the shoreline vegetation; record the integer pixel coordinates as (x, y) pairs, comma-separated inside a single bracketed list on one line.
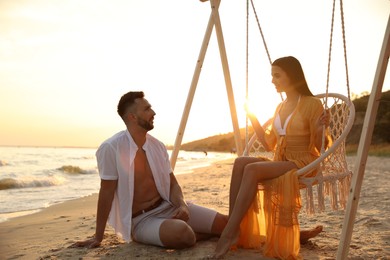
[(379, 150)]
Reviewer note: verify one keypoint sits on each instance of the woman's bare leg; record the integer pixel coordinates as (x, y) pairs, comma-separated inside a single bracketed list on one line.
[(252, 175), (235, 181)]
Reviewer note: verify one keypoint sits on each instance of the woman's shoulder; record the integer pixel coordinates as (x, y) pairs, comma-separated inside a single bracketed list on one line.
[(311, 104)]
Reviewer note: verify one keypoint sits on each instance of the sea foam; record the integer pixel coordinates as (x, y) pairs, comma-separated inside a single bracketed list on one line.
[(11, 183), (75, 170)]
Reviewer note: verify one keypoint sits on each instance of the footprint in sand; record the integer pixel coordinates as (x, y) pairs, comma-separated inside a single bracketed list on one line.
[(372, 222), (60, 217)]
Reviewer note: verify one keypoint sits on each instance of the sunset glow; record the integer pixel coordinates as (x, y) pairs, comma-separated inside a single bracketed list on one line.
[(65, 64)]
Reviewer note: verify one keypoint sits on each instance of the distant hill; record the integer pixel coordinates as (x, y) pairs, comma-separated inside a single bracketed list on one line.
[(218, 143), (381, 135)]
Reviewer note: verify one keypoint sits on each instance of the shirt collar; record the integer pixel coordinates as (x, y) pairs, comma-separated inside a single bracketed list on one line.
[(134, 145)]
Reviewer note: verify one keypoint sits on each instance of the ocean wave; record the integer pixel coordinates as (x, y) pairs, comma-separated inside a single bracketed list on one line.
[(74, 170), (10, 183)]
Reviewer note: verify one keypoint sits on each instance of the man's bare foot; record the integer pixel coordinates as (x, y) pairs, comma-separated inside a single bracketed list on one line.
[(224, 244), (305, 235)]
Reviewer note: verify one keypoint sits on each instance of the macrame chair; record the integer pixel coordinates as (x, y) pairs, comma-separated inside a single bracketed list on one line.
[(333, 175)]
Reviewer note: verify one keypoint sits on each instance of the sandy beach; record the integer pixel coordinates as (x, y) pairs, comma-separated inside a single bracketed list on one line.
[(49, 233)]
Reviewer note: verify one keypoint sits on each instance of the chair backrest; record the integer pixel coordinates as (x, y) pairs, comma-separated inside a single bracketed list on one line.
[(342, 116)]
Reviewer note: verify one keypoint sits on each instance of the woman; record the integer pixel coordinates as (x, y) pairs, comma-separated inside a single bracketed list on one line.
[(269, 215)]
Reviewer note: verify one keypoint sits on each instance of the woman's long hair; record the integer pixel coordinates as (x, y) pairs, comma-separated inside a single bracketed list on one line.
[(294, 71)]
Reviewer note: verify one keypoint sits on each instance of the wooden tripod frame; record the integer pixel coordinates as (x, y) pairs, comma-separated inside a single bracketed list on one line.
[(214, 21)]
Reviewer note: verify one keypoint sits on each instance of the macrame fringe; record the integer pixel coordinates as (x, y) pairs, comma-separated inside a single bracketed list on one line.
[(321, 198), (336, 190), (309, 200)]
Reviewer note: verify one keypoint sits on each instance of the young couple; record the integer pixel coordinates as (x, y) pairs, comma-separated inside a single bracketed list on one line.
[(141, 199)]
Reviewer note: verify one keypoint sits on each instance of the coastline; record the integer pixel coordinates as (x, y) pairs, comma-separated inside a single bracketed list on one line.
[(48, 233), (35, 178)]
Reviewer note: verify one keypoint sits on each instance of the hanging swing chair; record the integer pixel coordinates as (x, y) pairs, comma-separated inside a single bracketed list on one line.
[(332, 176)]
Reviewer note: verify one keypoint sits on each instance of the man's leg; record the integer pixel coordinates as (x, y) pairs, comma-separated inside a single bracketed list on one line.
[(219, 224), (307, 234), (175, 233), (206, 222), (158, 228), (217, 227)]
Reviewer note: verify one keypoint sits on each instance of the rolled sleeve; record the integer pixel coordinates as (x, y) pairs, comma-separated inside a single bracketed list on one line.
[(106, 162)]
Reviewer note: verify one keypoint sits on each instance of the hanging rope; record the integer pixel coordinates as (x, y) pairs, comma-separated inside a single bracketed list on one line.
[(345, 47), (330, 57), (247, 75), (328, 75), (261, 32), (263, 38)]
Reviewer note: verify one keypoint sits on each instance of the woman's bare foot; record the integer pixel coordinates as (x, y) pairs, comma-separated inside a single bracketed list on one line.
[(305, 235), (224, 244)]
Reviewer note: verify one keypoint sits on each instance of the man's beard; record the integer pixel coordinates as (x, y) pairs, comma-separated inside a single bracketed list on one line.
[(145, 124)]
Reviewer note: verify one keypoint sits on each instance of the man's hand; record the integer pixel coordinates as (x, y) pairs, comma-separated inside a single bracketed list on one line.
[(89, 243), (182, 213)]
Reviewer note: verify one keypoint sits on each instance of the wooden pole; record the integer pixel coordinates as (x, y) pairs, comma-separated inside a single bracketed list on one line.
[(213, 21), (226, 72), (365, 140), (191, 93)]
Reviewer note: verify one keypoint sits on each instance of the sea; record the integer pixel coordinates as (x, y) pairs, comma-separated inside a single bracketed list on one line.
[(33, 178)]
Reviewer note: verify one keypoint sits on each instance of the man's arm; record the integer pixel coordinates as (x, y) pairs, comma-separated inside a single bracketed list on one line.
[(177, 199), (106, 195)]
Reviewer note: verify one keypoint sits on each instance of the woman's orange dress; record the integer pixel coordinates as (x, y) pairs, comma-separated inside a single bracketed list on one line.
[(272, 219)]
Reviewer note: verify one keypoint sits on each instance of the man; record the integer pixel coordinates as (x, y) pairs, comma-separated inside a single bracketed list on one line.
[(139, 194)]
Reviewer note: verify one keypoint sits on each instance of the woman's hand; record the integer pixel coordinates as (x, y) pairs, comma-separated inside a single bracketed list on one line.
[(247, 108), (324, 119)]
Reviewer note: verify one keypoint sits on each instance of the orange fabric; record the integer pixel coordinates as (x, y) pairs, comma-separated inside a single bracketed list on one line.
[(298, 145), (272, 219), (282, 203)]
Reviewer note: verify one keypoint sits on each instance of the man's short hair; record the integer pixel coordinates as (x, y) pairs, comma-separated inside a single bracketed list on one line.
[(127, 100)]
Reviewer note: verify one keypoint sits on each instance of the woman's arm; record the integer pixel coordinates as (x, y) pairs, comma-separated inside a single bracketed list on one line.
[(259, 130)]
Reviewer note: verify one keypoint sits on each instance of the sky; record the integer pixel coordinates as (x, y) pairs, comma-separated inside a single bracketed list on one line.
[(65, 64)]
